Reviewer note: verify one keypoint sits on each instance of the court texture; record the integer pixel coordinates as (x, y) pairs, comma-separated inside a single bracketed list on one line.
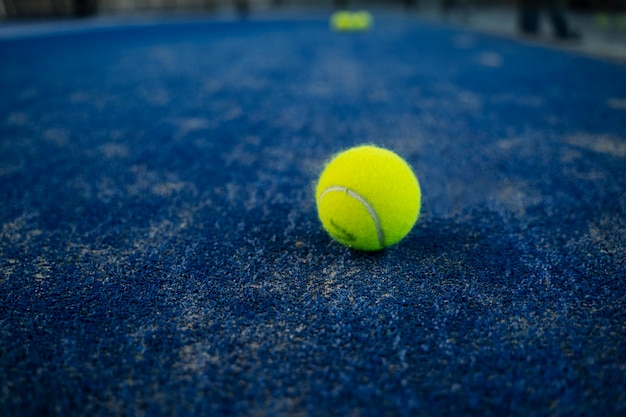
[(161, 253)]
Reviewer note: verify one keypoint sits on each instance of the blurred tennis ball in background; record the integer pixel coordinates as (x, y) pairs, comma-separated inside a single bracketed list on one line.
[(344, 20), (361, 20)]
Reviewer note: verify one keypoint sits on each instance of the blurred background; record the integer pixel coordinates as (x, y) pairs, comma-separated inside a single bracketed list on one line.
[(598, 26), (46, 8)]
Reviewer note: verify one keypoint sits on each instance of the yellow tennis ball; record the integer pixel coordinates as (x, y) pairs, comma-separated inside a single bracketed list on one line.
[(368, 198), (341, 20), (344, 20), (361, 20)]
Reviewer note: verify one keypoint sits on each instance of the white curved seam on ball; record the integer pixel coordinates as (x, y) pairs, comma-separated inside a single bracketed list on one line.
[(365, 203)]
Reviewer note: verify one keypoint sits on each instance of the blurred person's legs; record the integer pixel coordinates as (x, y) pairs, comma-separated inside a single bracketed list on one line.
[(529, 14), (559, 22)]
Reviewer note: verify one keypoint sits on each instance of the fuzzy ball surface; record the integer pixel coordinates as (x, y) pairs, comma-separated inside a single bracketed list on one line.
[(368, 198)]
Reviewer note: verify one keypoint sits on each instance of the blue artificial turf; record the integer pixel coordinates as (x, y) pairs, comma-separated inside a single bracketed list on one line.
[(160, 251)]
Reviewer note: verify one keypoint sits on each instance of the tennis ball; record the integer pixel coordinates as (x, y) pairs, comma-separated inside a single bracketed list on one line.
[(361, 20), (368, 198), (344, 20), (341, 20)]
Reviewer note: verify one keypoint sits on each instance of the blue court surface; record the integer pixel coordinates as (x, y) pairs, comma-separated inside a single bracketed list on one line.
[(161, 254)]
